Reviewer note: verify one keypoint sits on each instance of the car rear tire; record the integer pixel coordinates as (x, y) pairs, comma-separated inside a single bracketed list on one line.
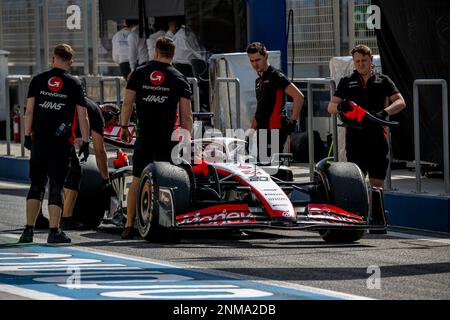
[(90, 204), (347, 190), (155, 176)]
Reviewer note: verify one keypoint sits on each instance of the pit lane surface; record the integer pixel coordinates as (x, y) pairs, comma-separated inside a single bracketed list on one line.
[(285, 264)]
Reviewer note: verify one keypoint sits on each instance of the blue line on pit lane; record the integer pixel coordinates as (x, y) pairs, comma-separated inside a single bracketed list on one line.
[(75, 274)]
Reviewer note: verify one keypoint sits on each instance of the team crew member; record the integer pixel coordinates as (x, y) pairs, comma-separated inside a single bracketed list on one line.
[(72, 184), (137, 47), (157, 89), (120, 50), (151, 41), (271, 89), (367, 147), (56, 101)]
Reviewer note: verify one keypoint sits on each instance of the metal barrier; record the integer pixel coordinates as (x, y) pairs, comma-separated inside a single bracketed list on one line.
[(21, 94), (309, 82), (445, 141), (102, 81), (238, 96), (196, 93)]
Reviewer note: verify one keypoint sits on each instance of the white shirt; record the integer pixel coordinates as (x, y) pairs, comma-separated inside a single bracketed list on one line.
[(151, 43), (187, 47), (170, 34), (120, 46), (137, 49)]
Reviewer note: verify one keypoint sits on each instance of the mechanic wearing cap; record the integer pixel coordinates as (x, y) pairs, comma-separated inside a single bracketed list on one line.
[(98, 117), (56, 102), (157, 88), (271, 89), (377, 94)]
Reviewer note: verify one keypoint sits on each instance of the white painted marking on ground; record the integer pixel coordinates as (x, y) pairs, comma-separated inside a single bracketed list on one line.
[(28, 293), (13, 185), (418, 237), (281, 284)]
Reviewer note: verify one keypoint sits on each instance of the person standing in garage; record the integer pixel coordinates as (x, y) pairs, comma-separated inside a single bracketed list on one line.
[(120, 50), (376, 93), (271, 88)]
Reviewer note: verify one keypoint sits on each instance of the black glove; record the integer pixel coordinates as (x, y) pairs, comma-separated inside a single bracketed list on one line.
[(28, 142), (84, 150), (106, 191), (382, 114), (345, 106), (106, 184), (290, 127), (106, 187)]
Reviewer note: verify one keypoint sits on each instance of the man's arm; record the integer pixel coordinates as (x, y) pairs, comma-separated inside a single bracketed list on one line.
[(127, 110), (397, 104), (332, 106), (127, 107), (254, 124), (100, 154), (297, 98), (28, 117), (132, 51), (84, 123), (186, 114), (115, 53)]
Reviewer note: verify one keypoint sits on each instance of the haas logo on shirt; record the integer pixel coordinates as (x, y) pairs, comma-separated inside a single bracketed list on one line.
[(55, 83), (156, 78)]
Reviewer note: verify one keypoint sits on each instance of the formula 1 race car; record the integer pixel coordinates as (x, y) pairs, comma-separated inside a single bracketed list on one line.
[(226, 193), (219, 189)]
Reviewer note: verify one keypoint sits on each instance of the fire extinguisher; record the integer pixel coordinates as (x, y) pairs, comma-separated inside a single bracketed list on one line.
[(16, 127)]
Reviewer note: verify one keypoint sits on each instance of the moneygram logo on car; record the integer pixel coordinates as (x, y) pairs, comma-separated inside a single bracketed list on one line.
[(55, 84), (157, 78)]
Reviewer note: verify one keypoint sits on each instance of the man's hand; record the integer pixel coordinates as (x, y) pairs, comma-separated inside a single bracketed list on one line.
[(28, 142), (125, 135), (382, 114), (290, 127), (345, 106), (106, 186), (84, 150), (352, 111)]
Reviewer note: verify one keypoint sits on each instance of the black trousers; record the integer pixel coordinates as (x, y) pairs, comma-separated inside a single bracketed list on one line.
[(49, 161), (147, 151), (125, 69)]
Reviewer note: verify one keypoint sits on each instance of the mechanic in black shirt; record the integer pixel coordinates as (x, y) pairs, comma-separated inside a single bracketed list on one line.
[(73, 179), (368, 147), (56, 102), (271, 89), (157, 88)]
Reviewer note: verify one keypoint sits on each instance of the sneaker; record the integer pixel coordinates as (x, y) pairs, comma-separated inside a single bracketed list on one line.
[(127, 233), (58, 237), (69, 223), (27, 236), (41, 222)]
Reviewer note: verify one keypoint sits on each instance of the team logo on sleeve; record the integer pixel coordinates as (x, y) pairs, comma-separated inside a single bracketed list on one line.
[(55, 83), (156, 78)]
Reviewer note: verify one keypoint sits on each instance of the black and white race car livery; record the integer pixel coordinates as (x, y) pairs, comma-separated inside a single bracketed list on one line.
[(217, 190)]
